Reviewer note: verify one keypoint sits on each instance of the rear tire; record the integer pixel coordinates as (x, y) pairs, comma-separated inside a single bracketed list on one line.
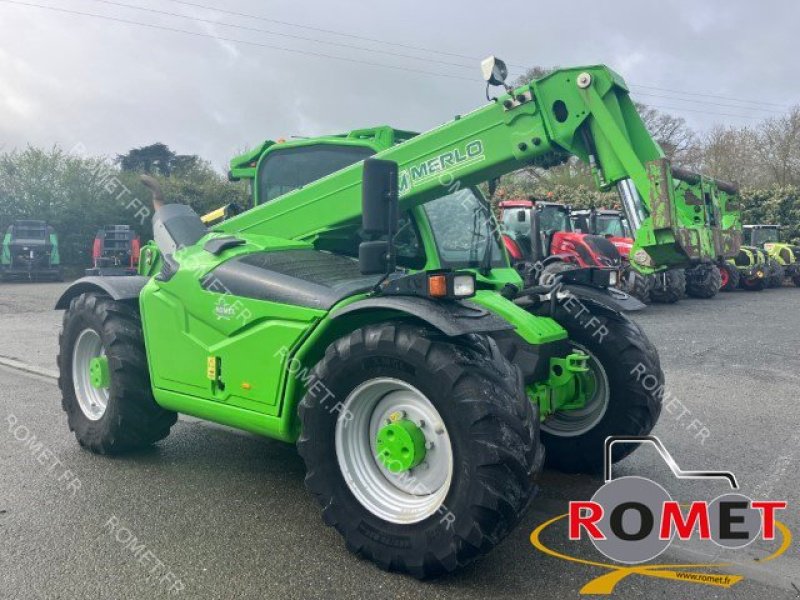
[(631, 368), (757, 284), (672, 290), (125, 417), (704, 281), (493, 433)]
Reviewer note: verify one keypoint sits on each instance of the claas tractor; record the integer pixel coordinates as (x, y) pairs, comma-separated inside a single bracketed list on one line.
[(610, 224), (115, 251), (365, 308), (783, 258), (30, 252), (751, 270)]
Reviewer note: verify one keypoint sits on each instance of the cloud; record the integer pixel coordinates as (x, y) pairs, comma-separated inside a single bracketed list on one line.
[(112, 86)]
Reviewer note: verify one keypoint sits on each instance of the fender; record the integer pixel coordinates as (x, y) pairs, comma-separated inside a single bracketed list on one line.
[(609, 299), (118, 288), (451, 318)]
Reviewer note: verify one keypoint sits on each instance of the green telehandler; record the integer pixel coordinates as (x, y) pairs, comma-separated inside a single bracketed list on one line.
[(419, 380)]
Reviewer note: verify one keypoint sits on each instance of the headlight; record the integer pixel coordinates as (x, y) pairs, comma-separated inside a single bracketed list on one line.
[(613, 279), (463, 286)]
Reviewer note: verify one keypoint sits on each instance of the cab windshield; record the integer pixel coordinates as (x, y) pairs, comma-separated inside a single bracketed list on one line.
[(764, 236), (610, 225), (464, 230)]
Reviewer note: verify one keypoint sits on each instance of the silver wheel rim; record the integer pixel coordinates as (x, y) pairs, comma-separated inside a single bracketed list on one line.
[(403, 498), (572, 423), (92, 401)]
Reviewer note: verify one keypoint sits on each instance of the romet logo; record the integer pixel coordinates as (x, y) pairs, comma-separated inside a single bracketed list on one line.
[(632, 520), (445, 162)]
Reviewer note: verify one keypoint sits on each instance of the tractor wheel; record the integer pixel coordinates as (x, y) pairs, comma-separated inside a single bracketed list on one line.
[(669, 287), (103, 376), (776, 274), (730, 276), (704, 282), (636, 285), (628, 386), (753, 284), (422, 450), (796, 279)]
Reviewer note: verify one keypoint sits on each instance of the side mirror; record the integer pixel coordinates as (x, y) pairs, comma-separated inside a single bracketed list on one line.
[(379, 213)]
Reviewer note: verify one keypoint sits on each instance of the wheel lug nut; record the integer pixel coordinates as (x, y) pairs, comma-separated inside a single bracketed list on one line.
[(428, 445)]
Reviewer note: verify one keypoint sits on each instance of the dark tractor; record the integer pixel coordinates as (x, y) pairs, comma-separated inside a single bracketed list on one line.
[(115, 251), (30, 252)]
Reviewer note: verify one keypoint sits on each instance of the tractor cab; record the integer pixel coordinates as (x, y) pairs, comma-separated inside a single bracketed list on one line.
[(759, 235), (607, 223), (543, 232)]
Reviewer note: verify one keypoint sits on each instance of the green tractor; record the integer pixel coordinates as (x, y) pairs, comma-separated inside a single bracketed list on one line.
[(783, 259), (365, 308), (748, 270), (30, 252)]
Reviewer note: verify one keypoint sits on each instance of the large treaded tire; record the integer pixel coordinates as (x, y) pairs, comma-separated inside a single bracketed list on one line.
[(776, 274), (494, 433), (635, 378), (636, 285), (730, 278), (705, 286), (132, 419), (674, 289)]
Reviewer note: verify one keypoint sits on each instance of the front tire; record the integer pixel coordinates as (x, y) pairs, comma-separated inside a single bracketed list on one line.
[(477, 407), (776, 274), (669, 287), (122, 415), (627, 372), (636, 285)]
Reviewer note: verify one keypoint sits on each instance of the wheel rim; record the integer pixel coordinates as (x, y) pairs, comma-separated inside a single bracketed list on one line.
[(724, 277), (572, 423), (92, 400), (409, 496)]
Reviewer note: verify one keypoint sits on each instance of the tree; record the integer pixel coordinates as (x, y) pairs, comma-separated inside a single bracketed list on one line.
[(777, 147), (156, 159)]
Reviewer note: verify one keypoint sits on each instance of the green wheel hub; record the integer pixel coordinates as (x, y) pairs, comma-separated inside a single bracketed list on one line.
[(98, 373), (401, 445)]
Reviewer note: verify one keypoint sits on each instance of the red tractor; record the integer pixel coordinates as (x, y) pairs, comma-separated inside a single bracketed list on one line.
[(115, 251), (541, 241), (611, 225)]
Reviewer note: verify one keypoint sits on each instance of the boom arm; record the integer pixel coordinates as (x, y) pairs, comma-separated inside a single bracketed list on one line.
[(585, 112)]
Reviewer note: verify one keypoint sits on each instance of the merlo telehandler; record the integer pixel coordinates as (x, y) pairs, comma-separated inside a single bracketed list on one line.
[(420, 378)]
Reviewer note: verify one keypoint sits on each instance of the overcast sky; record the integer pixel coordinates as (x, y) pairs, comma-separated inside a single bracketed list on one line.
[(67, 78)]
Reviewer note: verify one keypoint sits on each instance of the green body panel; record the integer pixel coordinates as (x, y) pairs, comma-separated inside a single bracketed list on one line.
[(55, 259), (5, 252), (218, 356), (534, 330)]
